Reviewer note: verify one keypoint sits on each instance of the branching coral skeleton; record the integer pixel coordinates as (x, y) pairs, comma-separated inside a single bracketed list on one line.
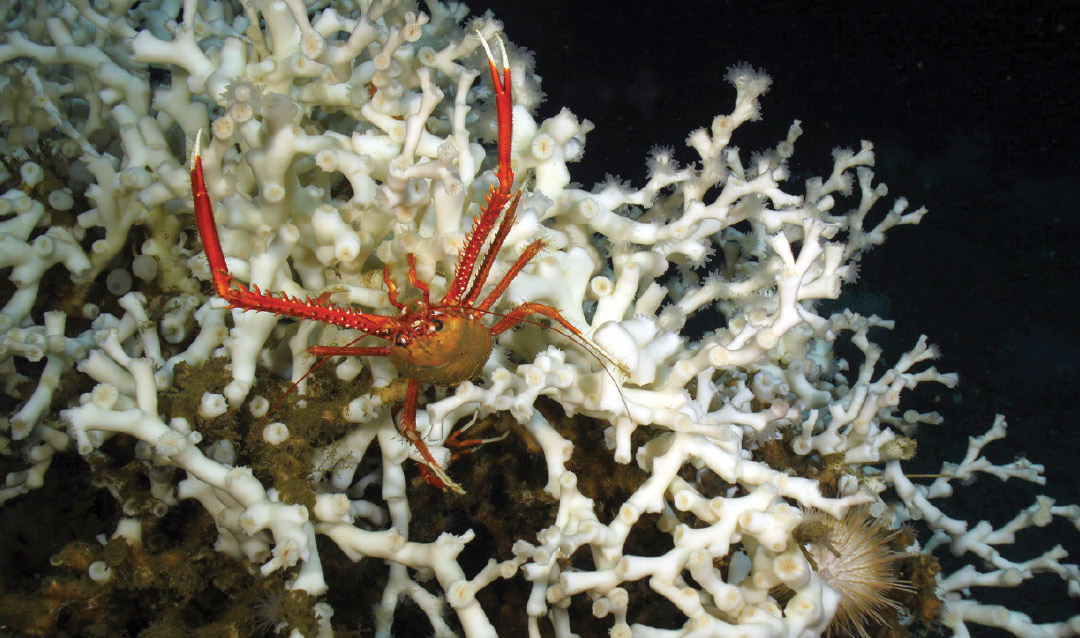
[(346, 152)]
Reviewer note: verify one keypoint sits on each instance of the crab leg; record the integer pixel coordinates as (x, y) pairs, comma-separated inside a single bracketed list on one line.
[(408, 430), (493, 251), (349, 351), (238, 296), (500, 194), (517, 315)]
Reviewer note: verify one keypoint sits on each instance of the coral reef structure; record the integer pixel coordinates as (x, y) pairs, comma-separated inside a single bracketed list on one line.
[(686, 467)]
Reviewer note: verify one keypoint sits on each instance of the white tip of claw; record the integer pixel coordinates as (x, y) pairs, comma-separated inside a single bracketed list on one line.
[(195, 149), (502, 49), (487, 49), (447, 481)]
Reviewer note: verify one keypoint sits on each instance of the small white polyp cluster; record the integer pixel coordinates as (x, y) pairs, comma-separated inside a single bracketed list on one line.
[(342, 142)]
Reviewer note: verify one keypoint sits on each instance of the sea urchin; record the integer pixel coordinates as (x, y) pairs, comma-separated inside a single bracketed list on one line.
[(852, 555)]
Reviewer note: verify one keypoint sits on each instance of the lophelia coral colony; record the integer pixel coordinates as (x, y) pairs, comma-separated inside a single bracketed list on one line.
[(622, 473)]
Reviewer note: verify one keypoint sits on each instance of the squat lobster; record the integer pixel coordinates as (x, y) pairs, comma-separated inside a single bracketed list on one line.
[(443, 342)]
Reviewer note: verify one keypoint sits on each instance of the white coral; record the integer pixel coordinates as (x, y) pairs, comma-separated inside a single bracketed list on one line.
[(343, 143)]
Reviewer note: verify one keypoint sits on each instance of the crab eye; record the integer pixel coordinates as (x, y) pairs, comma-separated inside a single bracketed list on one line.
[(438, 324)]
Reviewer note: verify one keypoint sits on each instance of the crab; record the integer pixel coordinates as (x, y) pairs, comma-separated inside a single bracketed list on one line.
[(443, 342)]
